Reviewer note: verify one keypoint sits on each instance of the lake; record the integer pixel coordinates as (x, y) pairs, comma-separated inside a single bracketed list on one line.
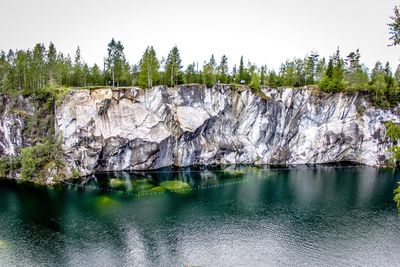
[(239, 216)]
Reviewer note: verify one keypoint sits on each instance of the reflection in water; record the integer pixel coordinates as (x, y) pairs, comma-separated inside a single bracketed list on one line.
[(236, 216)]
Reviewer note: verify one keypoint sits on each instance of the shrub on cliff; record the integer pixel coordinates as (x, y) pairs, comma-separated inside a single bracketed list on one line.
[(393, 132), (9, 164), (35, 160)]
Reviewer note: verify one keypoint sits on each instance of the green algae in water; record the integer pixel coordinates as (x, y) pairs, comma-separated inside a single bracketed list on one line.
[(3, 244), (233, 172), (141, 186), (146, 186), (117, 183), (175, 185), (141, 181), (158, 189), (291, 203), (105, 203)]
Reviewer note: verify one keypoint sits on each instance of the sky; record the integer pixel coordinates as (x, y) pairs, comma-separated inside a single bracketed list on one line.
[(264, 32)]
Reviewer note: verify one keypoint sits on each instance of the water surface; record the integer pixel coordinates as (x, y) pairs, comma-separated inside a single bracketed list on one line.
[(244, 216)]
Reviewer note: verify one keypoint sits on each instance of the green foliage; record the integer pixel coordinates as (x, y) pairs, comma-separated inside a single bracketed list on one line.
[(332, 81), (395, 150), (273, 79), (191, 75), (310, 68), (209, 78), (355, 74), (173, 66), (9, 164), (30, 71), (396, 197), (149, 66), (223, 71), (117, 67), (243, 75), (255, 83), (394, 27), (75, 173), (35, 159), (392, 131)]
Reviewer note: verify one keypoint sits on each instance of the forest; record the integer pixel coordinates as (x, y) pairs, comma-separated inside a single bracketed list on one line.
[(43, 66)]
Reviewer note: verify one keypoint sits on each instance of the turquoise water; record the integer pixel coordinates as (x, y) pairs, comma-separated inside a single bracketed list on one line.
[(241, 217)]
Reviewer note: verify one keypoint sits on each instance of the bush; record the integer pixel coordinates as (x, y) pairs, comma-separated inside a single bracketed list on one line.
[(331, 85), (7, 165), (35, 158), (397, 197)]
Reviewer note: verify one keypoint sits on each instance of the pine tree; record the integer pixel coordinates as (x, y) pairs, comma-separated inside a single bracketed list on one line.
[(3, 71), (299, 72), (334, 74), (209, 77), (78, 69), (173, 66), (149, 68), (135, 75), (273, 79), (320, 69), (377, 70), (397, 74), (21, 67), (394, 27), (263, 75), (379, 88), (51, 63), (240, 77), (355, 75), (38, 67), (288, 73), (96, 77), (310, 68), (116, 63), (190, 74), (255, 80), (222, 70)]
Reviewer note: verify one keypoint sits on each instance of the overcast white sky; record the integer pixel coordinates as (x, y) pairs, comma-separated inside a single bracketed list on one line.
[(265, 32)]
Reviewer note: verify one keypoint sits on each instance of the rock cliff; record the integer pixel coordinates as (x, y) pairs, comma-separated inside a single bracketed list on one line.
[(13, 122), (132, 129)]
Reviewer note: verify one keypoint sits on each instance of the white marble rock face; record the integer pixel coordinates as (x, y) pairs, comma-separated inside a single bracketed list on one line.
[(132, 129)]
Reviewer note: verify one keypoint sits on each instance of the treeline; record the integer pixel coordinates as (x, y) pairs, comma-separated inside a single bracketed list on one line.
[(41, 66)]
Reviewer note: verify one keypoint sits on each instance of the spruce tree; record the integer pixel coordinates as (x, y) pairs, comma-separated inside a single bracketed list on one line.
[(52, 63), (223, 70), (116, 63), (240, 77), (149, 68), (190, 74), (394, 27), (173, 66)]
